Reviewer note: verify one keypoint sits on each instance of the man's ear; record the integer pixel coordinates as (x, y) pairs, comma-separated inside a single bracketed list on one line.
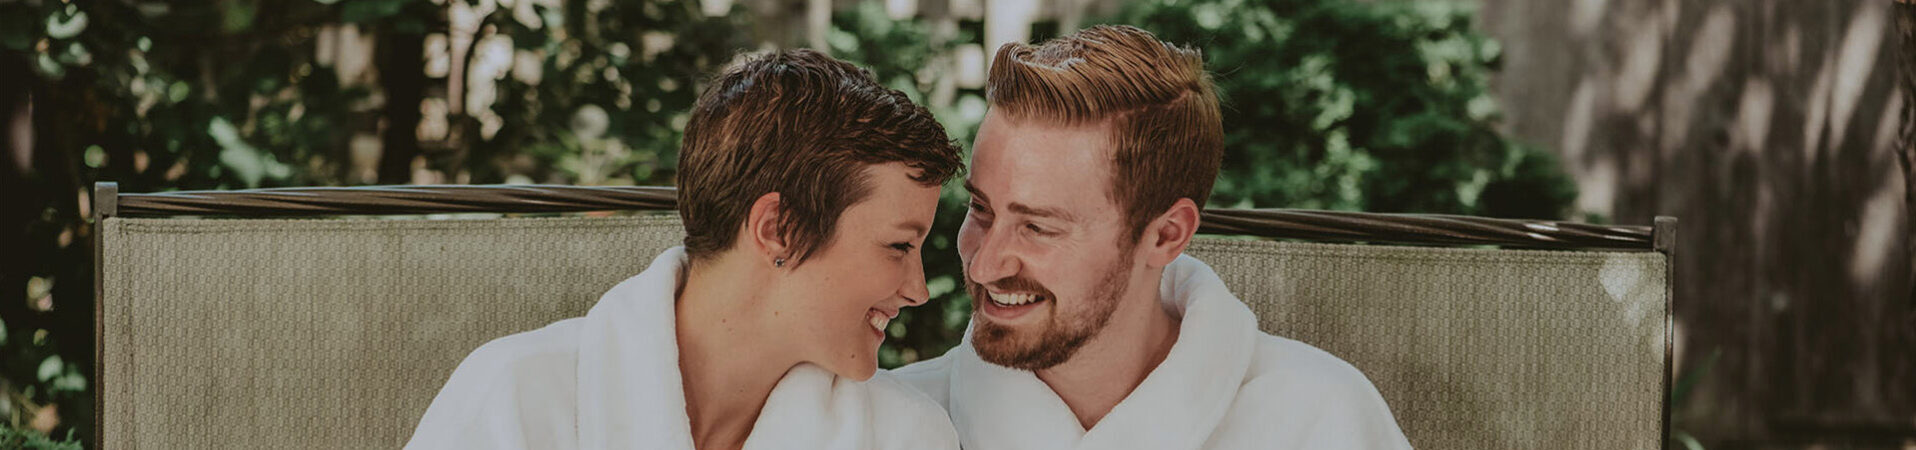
[(1166, 236), (763, 229)]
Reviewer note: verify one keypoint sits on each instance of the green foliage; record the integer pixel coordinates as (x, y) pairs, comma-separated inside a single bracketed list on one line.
[(11, 438), (616, 84), (1683, 398), (1376, 106)]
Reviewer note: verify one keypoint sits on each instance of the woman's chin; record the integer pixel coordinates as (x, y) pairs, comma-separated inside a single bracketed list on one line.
[(856, 362), (856, 370)]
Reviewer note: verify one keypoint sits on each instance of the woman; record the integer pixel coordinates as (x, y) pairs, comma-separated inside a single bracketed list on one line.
[(806, 189)]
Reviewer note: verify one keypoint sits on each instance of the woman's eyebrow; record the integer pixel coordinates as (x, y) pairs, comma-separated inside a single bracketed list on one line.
[(917, 228)]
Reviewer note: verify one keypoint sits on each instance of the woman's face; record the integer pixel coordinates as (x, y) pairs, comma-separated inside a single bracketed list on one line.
[(844, 296)]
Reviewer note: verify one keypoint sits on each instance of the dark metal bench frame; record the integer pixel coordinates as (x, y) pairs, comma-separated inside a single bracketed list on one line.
[(1296, 224)]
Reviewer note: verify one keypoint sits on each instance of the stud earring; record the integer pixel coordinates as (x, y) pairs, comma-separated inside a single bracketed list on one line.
[(779, 262)]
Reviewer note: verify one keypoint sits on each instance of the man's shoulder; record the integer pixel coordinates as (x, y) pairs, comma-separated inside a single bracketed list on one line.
[(1283, 360), (1303, 394)]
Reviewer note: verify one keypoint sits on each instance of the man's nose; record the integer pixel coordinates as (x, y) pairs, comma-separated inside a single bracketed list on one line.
[(992, 261)]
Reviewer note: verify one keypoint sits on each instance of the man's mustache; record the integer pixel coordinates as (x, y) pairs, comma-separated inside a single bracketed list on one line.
[(1012, 284)]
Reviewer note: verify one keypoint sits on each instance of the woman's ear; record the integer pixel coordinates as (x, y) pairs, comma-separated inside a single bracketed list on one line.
[(763, 230), (1167, 236)]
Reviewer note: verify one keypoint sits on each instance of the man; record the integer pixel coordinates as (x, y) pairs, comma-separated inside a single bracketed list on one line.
[(1091, 330)]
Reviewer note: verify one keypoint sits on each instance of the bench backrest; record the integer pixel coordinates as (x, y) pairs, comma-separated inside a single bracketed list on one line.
[(337, 333)]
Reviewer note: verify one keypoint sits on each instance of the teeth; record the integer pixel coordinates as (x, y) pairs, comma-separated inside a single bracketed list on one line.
[(878, 321), (1013, 299)]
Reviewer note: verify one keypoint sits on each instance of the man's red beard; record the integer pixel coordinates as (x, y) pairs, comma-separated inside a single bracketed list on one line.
[(1060, 336)]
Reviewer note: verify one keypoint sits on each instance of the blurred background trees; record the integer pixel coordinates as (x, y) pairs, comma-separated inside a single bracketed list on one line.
[(1383, 106)]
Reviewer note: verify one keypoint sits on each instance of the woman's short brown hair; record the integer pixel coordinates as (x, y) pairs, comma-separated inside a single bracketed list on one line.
[(1160, 105), (806, 126)]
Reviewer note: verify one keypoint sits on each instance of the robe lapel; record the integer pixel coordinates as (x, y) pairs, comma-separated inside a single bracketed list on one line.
[(1177, 406), (630, 394), (999, 408), (812, 409), (1181, 402)]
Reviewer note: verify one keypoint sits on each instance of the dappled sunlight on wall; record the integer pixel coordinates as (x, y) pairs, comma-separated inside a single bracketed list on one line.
[(1770, 129)]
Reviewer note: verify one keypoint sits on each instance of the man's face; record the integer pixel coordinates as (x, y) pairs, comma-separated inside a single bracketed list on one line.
[(1045, 250)]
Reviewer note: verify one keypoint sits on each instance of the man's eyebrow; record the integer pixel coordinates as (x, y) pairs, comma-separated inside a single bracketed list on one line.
[(1028, 210), (974, 191), (1054, 213)]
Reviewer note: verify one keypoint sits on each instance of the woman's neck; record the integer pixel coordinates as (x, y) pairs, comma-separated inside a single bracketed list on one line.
[(726, 358)]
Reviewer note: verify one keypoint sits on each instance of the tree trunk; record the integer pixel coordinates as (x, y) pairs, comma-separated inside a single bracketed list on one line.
[(402, 77), (1905, 12), (17, 207)]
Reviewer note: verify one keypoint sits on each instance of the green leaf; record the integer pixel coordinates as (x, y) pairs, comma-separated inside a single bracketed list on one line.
[(71, 382), (363, 11), (1680, 392), (50, 368), (17, 29), (1689, 442), (237, 15), (47, 66), (66, 26), (941, 285), (246, 162)]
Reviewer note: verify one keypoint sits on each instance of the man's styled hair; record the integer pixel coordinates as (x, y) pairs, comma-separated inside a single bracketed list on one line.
[(1158, 101), (806, 126)]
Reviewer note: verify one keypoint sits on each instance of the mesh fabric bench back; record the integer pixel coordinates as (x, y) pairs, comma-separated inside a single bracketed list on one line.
[(265, 334), (329, 334), (1475, 348)]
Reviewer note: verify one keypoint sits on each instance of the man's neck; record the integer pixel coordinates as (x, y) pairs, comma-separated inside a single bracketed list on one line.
[(1112, 364), (726, 367)]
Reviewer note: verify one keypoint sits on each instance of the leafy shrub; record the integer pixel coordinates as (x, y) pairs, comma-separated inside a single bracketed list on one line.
[(1374, 106)]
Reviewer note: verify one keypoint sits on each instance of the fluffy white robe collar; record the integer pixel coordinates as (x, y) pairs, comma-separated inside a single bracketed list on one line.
[(1175, 407), (1224, 384), (623, 389)]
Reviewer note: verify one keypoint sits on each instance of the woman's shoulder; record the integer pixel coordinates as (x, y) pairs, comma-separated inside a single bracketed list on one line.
[(522, 369), (513, 389), (538, 349), (903, 412)]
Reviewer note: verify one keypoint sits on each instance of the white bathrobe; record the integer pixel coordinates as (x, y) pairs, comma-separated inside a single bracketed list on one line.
[(1224, 385), (611, 380)]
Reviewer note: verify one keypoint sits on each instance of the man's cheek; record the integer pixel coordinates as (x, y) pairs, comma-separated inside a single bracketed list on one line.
[(966, 241)]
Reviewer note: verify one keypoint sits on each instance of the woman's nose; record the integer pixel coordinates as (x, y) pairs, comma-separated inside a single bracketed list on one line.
[(915, 291)]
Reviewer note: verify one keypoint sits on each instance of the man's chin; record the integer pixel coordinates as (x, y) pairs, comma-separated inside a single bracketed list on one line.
[(1019, 349)]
